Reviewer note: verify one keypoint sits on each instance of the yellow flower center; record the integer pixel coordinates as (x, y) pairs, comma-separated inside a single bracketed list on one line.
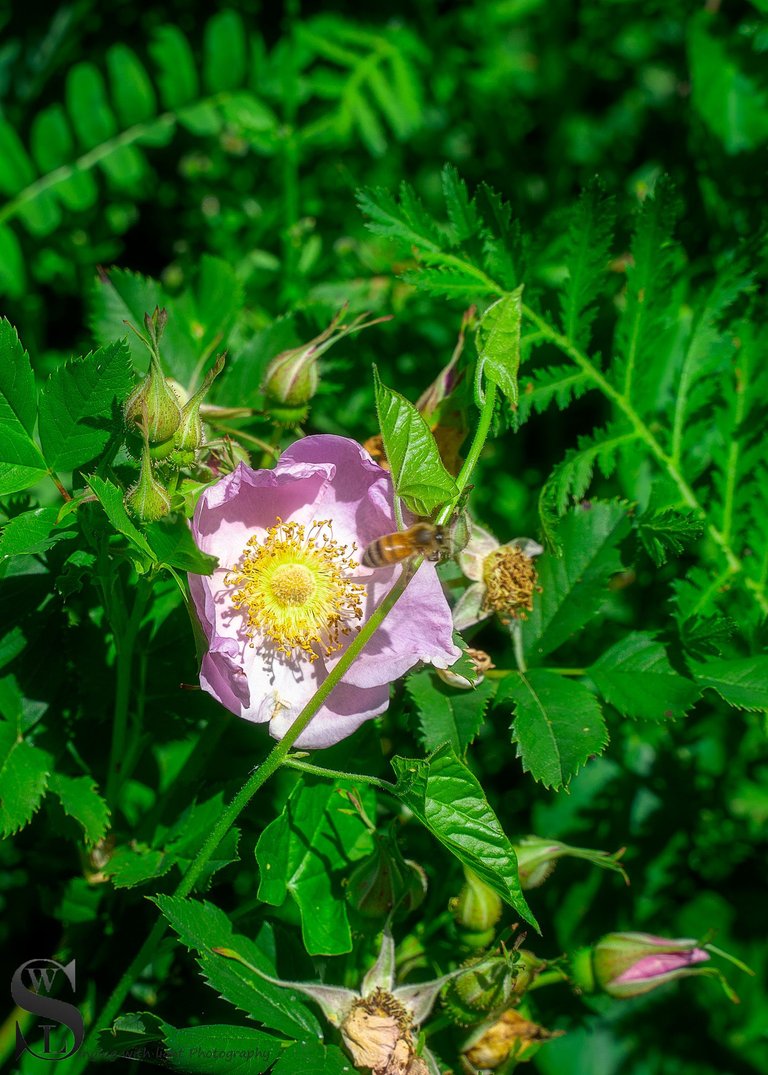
[(510, 580), (293, 587)]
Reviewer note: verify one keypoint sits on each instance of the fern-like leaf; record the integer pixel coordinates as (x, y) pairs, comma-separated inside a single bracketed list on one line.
[(478, 252), (106, 125), (589, 242), (666, 533), (571, 478), (373, 78), (541, 387), (650, 302)]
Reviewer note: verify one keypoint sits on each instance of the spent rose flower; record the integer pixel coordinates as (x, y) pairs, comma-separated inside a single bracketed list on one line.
[(503, 578), (290, 593), (378, 1022)]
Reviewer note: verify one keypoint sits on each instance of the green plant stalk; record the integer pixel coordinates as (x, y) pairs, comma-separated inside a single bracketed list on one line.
[(258, 778), (279, 754), (476, 447), (125, 645), (294, 762)]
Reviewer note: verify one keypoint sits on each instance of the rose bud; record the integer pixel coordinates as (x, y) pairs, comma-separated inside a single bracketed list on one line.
[(630, 964)]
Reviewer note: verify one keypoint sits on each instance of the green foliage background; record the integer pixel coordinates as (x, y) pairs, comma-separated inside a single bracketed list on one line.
[(224, 156)]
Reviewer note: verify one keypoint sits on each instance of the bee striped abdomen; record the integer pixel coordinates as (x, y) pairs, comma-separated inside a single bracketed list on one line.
[(422, 539)]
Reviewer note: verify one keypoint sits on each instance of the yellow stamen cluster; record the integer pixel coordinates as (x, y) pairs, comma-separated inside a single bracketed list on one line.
[(510, 581), (293, 587)]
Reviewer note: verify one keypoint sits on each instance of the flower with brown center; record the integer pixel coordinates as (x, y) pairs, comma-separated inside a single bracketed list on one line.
[(503, 579)]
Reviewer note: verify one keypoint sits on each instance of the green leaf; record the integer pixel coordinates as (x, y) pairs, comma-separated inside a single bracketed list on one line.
[(730, 102), (571, 478), (174, 546), (575, 585), (447, 798), (132, 1031), (53, 146), (189, 832), (80, 799), (12, 643), (121, 298), (447, 714), (34, 532), (24, 772), (133, 865), (88, 107), (462, 210), (204, 315), (132, 90), (558, 724), (635, 676), (177, 70), (312, 1058), (417, 469), (21, 463), (224, 52), (111, 499), (298, 854), (80, 406), (16, 169), (221, 1050), (588, 252), (742, 681), (666, 533), (12, 269), (498, 344), (203, 927), (407, 222)]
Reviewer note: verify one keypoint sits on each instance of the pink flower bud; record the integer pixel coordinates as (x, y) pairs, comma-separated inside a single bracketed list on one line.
[(629, 964)]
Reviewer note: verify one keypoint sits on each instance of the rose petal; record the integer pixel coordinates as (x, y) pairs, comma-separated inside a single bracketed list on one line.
[(468, 610), (323, 477)]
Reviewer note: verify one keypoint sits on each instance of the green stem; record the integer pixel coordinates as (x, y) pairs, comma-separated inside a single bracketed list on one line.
[(549, 977), (500, 673), (258, 778), (518, 648), (292, 762), (125, 644), (476, 447)]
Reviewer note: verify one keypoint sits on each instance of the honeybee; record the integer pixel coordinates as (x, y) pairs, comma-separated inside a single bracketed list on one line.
[(421, 539)]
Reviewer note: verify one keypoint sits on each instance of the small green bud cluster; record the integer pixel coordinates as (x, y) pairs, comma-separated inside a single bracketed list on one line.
[(169, 432)]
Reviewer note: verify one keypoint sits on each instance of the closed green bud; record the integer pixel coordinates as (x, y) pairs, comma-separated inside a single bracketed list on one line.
[(147, 500), (385, 880), (292, 377), (189, 437), (155, 404), (485, 989), (477, 908), (537, 858)]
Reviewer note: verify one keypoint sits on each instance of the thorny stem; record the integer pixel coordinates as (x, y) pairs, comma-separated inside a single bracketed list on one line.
[(258, 778), (294, 762)]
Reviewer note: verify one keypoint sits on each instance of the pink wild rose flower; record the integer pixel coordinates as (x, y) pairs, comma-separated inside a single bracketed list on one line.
[(290, 594)]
